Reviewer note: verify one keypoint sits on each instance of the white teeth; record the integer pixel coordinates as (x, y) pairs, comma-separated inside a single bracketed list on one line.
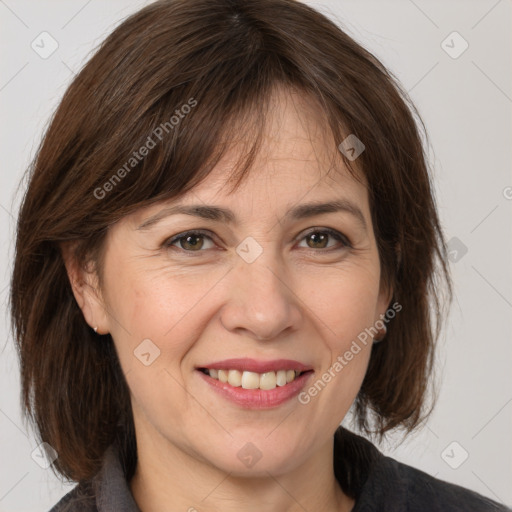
[(281, 378), (268, 380), (250, 380), (253, 380), (235, 378)]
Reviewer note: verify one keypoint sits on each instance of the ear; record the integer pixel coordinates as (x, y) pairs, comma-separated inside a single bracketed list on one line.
[(386, 289), (385, 297), (85, 286)]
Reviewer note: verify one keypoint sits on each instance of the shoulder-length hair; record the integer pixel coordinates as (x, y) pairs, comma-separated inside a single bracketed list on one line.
[(189, 76)]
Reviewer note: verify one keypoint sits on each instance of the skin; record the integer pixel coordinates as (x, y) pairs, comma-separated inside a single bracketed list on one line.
[(300, 299)]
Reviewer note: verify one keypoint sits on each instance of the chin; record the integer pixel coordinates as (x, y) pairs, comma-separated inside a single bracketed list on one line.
[(253, 455), (254, 467)]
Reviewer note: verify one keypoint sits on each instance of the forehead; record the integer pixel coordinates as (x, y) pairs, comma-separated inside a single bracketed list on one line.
[(297, 154)]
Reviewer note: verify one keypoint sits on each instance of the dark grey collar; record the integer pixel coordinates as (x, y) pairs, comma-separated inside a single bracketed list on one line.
[(110, 487)]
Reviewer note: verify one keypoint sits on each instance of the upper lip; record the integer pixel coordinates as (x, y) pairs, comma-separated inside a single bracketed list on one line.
[(257, 366)]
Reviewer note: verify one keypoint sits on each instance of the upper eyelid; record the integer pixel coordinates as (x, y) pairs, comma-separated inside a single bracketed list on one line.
[(183, 234)]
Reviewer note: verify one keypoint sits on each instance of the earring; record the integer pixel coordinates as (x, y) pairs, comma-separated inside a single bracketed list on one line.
[(96, 329), (384, 330)]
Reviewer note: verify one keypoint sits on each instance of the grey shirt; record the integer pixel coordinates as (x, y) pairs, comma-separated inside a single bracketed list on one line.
[(377, 483)]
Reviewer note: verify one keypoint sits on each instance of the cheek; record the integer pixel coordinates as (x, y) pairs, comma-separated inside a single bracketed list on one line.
[(345, 300), (345, 308), (149, 303), (162, 326), (159, 317)]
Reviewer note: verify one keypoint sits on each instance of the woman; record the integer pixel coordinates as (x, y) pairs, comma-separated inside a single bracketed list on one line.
[(229, 238)]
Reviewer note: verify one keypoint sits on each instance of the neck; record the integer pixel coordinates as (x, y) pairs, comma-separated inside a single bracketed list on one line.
[(170, 479)]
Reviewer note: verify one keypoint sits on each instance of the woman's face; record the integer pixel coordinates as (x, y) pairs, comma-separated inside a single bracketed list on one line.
[(276, 281)]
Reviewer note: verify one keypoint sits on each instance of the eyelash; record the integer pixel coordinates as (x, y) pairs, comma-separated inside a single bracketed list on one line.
[(331, 232)]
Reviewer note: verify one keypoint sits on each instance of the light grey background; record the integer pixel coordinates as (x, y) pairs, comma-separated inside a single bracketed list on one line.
[(466, 104)]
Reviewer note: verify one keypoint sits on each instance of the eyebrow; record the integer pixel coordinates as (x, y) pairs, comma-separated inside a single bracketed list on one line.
[(219, 214)]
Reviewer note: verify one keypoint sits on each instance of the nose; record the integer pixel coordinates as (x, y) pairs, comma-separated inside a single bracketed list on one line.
[(261, 302)]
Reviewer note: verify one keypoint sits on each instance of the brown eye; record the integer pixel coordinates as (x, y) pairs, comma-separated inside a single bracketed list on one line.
[(319, 239), (190, 242)]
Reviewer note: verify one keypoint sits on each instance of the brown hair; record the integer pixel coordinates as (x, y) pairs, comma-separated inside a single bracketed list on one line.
[(227, 56)]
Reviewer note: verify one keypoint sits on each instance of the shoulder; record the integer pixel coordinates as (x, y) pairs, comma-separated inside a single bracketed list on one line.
[(409, 489), (79, 499), (423, 488), (383, 484)]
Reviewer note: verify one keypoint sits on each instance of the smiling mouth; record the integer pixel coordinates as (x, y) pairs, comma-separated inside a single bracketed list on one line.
[(252, 380)]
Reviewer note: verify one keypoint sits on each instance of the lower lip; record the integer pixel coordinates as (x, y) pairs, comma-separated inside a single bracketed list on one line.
[(257, 398)]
